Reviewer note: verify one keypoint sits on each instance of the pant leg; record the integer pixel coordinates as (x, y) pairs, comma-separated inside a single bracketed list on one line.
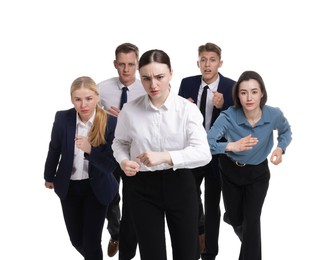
[(84, 217), (181, 208), (212, 212), (254, 199), (244, 190), (148, 214), (95, 214), (113, 213), (128, 240), (199, 174)]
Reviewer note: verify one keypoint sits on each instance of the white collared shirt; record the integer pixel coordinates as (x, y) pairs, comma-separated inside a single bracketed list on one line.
[(175, 127), (209, 103), (111, 89), (80, 165)]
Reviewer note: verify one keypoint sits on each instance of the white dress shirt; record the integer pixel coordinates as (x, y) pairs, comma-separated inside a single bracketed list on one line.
[(175, 127), (209, 103), (80, 165), (111, 89)]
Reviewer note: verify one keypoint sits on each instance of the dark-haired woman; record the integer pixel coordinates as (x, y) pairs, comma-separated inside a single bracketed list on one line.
[(248, 127), (159, 137)]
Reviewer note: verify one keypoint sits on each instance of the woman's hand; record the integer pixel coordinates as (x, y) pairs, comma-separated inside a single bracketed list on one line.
[(49, 185), (245, 143), (130, 168), (277, 156), (155, 158), (83, 144)]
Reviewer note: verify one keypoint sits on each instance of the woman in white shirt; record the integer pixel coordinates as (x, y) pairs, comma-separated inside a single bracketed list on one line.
[(159, 137)]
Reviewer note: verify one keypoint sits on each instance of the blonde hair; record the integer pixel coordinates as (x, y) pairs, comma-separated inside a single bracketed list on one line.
[(96, 136)]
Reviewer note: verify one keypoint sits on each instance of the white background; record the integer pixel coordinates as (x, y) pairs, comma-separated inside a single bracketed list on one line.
[(45, 45)]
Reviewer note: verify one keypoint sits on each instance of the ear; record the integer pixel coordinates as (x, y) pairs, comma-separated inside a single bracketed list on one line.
[(115, 64)]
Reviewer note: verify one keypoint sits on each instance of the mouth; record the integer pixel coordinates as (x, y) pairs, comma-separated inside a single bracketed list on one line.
[(154, 92)]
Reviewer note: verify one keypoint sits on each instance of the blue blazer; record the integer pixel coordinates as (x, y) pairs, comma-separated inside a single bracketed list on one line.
[(189, 88), (59, 161)]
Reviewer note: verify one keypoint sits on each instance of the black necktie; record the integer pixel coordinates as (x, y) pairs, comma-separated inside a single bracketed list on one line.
[(123, 97), (203, 103)]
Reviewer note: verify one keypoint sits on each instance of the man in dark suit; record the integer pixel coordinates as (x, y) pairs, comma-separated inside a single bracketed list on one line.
[(212, 92)]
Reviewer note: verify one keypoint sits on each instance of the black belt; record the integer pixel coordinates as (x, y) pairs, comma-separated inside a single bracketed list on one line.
[(237, 163)]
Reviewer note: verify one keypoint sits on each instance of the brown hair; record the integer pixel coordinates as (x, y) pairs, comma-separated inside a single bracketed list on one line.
[(96, 136), (127, 48), (209, 47), (154, 56), (245, 76)]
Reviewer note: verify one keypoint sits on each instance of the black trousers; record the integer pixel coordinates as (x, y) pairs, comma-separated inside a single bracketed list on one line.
[(156, 196), (128, 240), (121, 228), (210, 216), (84, 217), (113, 213), (244, 191)]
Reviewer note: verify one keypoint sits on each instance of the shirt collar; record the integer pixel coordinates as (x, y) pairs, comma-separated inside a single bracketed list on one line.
[(120, 85), (89, 122), (266, 117), (167, 104), (213, 86)]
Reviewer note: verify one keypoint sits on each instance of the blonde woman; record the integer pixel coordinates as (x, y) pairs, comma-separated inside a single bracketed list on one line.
[(80, 164)]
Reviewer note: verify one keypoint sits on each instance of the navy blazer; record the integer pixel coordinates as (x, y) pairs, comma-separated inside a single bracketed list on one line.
[(59, 161), (189, 88)]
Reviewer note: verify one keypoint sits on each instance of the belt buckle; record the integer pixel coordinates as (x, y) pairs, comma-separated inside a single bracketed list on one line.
[(240, 164)]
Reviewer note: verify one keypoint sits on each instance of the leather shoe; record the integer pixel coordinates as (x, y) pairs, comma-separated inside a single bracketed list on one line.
[(202, 242), (113, 247)]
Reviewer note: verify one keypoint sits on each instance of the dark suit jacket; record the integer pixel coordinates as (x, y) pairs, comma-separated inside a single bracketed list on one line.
[(59, 161), (189, 88)]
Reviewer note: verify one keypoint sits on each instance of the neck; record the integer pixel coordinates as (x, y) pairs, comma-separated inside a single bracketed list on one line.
[(253, 116)]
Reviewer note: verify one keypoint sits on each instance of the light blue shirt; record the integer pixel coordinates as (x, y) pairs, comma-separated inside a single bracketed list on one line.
[(232, 125)]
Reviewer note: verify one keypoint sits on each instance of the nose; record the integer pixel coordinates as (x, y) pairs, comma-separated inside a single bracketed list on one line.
[(153, 84), (83, 103)]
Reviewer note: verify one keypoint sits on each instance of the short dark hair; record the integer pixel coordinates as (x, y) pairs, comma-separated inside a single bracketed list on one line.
[(126, 48), (210, 47), (245, 76)]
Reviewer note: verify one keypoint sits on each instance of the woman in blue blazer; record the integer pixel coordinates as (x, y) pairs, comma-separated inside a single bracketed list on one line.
[(80, 164)]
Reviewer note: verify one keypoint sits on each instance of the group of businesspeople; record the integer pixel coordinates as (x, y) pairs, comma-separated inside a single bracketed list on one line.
[(163, 146)]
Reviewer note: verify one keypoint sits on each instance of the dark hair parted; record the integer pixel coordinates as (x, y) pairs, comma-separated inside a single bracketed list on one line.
[(210, 47), (245, 76), (127, 48), (154, 55)]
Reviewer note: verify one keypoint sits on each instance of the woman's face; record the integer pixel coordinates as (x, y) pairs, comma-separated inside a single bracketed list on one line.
[(250, 94), (85, 102), (156, 79)]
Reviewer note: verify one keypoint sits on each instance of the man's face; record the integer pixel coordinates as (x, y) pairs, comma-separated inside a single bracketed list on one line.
[(209, 64), (126, 66)]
